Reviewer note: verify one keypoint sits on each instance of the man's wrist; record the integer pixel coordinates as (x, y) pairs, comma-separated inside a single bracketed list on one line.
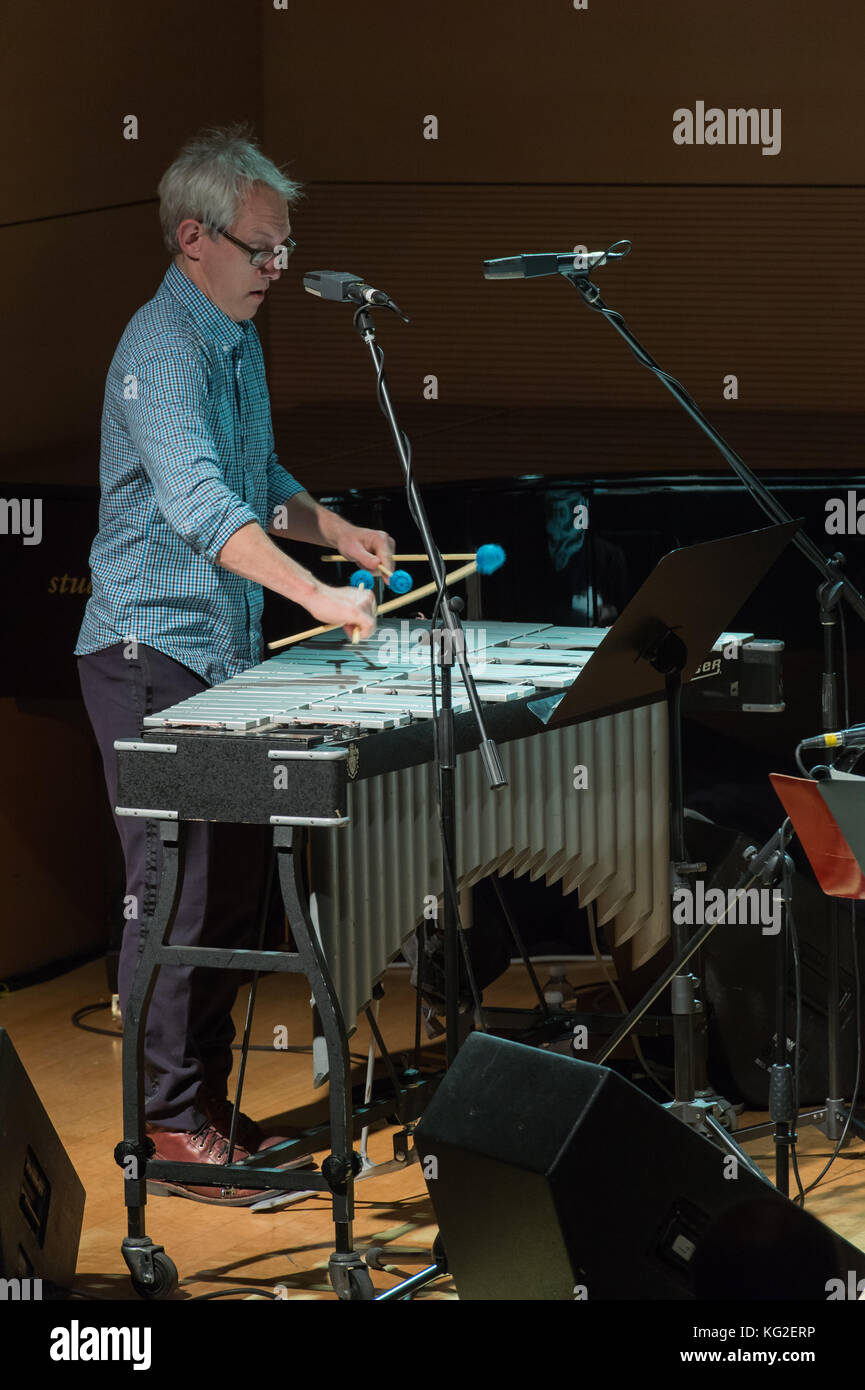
[(306, 589), (332, 527)]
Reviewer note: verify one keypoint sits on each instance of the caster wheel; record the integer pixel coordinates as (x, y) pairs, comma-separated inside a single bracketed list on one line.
[(165, 1282), (727, 1117), (354, 1285), (360, 1286)]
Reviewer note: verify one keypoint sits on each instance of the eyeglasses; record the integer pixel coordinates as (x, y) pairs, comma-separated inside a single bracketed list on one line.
[(258, 257)]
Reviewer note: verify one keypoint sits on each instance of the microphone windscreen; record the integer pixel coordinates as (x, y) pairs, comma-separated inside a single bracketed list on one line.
[(504, 268)]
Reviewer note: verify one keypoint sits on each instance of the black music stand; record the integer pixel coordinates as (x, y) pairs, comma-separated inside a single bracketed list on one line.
[(830, 826), (846, 801), (659, 641)]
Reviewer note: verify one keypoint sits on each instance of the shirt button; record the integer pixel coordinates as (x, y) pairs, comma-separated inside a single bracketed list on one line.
[(226, 348)]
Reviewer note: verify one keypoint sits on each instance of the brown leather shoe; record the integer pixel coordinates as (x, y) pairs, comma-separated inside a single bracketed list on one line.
[(248, 1134), (218, 1111), (206, 1145)]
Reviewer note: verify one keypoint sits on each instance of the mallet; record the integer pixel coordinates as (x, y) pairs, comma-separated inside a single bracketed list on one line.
[(487, 560)]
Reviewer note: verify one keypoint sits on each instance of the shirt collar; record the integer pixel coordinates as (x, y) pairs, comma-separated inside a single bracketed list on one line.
[(211, 319)]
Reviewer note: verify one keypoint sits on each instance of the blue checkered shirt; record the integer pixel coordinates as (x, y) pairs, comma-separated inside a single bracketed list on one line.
[(187, 458)]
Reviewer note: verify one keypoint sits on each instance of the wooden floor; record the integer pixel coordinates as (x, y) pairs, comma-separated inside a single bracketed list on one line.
[(77, 1075)]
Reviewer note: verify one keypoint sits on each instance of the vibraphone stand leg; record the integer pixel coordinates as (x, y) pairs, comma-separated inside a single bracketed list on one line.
[(154, 1274), (263, 910), (348, 1273)]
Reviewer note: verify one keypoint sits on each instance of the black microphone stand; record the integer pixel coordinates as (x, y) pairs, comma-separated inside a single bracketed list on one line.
[(448, 642), (833, 1120), (835, 586), (831, 570)]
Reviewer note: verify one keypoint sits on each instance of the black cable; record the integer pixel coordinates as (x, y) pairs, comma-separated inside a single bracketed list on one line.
[(844, 669), (86, 1027), (806, 772)]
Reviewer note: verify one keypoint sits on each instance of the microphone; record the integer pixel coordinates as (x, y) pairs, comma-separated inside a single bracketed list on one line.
[(527, 266), (854, 737), (342, 285)]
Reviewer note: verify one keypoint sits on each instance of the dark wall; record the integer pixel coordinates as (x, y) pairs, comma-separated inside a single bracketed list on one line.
[(81, 250), (79, 227), (546, 93), (555, 127)]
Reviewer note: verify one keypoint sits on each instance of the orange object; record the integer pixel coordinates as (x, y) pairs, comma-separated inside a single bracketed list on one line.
[(829, 854)]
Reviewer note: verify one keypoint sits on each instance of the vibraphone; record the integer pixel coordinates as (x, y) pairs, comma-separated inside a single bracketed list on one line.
[(334, 742)]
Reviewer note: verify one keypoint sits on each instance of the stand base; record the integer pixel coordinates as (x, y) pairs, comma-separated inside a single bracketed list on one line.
[(704, 1115), (407, 1288), (832, 1118), (694, 1112), (829, 1119)]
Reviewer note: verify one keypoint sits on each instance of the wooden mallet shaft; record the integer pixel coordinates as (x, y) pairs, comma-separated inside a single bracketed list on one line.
[(453, 578), (460, 555)]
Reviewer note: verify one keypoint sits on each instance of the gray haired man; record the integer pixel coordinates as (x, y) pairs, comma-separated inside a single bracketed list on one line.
[(191, 494)]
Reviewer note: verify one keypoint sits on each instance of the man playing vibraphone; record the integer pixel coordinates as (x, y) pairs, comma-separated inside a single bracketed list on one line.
[(190, 487)]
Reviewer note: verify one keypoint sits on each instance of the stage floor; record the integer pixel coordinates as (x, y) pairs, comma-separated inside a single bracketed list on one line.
[(77, 1076)]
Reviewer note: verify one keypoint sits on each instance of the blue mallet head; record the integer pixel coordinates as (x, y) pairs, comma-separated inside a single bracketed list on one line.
[(362, 579), (400, 582), (490, 558)]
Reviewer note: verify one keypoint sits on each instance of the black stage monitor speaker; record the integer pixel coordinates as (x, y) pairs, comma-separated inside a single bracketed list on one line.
[(41, 1198), (556, 1179)]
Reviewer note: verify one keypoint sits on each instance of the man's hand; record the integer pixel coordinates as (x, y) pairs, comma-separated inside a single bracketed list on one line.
[(353, 608), (367, 548), (307, 520), (251, 553)]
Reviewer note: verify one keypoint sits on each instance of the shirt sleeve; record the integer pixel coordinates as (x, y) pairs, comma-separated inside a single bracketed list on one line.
[(165, 412), (281, 486)]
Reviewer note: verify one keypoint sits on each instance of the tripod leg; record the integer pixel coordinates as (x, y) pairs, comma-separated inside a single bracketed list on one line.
[(727, 1141), (519, 943)]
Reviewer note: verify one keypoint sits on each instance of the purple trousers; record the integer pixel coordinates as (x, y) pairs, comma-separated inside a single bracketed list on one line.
[(189, 1030)]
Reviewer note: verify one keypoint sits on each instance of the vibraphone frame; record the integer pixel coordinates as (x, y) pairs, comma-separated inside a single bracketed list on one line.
[(153, 1274), (316, 798), (184, 784)]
